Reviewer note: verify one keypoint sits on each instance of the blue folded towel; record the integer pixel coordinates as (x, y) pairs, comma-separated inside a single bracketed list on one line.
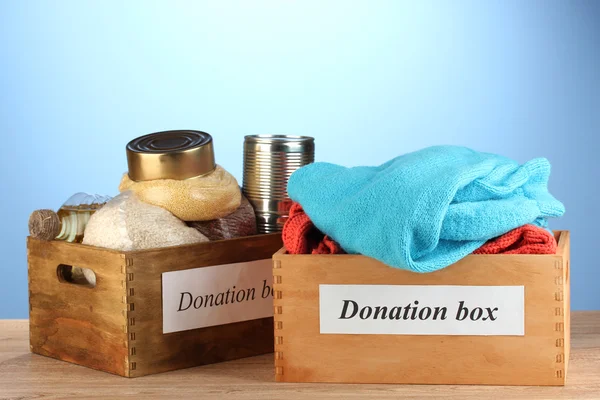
[(425, 210)]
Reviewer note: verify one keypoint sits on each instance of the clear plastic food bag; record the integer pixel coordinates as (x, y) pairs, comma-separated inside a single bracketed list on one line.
[(125, 223), (202, 198)]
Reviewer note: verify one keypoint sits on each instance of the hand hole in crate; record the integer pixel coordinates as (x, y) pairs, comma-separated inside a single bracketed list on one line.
[(76, 275)]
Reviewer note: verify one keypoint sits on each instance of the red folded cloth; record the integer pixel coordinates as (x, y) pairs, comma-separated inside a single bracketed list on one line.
[(528, 239), (300, 236)]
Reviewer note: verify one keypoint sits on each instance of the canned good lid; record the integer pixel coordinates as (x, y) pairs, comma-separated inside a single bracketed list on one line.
[(179, 154)]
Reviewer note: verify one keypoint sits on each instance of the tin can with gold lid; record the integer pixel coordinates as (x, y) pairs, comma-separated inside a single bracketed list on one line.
[(178, 154)]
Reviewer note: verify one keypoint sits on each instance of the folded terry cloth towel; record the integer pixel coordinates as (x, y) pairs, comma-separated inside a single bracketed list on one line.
[(425, 210), (528, 239), (301, 237)]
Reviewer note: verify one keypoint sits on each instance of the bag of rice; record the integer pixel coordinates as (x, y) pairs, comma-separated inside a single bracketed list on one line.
[(125, 223)]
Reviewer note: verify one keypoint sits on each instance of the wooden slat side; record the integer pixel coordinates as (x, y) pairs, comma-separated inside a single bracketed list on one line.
[(501, 360), (278, 321), (566, 254), (131, 331), (157, 352), (75, 323), (562, 239), (209, 253), (559, 321)]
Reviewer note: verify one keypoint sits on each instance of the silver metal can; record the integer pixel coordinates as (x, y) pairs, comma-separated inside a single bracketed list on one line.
[(269, 161)]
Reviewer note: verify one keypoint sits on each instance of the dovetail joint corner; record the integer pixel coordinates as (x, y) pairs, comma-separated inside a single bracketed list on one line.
[(278, 370), (559, 327), (558, 264), (276, 264), (558, 280)]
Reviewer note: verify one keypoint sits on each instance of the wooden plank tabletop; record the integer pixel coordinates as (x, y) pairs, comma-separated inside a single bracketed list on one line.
[(28, 376)]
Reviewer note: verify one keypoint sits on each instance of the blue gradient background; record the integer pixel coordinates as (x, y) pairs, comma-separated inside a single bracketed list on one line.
[(369, 80)]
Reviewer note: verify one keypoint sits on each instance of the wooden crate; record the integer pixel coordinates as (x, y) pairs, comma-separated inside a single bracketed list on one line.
[(117, 326), (540, 357)]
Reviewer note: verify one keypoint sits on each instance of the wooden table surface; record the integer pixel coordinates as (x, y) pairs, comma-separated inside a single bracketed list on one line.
[(29, 376)]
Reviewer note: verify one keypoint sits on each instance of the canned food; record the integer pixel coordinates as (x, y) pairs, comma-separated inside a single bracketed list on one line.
[(269, 161)]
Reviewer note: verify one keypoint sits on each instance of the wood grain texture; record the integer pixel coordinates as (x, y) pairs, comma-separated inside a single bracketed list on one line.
[(75, 323), (117, 326), (539, 357), (151, 351), (28, 376)]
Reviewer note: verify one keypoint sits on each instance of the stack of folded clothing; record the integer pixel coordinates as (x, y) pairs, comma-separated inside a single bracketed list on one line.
[(425, 210)]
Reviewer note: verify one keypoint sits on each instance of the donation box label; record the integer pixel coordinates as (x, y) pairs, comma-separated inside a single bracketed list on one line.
[(422, 310), (223, 294)]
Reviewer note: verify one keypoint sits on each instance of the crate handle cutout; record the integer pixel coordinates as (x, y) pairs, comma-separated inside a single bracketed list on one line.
[(76, 275)]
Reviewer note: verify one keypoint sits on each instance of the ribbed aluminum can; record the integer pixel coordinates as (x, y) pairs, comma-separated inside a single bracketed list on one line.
[(269, 161)]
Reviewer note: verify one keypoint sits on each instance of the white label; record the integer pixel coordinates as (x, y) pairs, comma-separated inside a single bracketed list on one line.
[(422, 310), (223, 294)]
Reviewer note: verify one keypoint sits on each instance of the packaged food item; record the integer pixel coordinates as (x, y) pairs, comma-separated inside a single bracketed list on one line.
[(269, 161), (125, 223), (196, 199), (69, 222), (176, 170), (240, 223)]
